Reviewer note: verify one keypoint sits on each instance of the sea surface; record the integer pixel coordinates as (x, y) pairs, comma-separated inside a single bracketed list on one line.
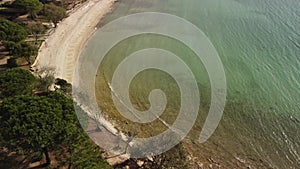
[(259, 45)]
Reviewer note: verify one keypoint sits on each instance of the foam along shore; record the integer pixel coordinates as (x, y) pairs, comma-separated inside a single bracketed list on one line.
[(60, 50)]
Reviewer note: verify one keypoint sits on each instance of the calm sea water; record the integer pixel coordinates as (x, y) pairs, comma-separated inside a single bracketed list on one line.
[(259, 44)]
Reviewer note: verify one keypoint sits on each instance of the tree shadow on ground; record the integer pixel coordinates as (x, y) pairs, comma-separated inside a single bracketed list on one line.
[(11, 161)]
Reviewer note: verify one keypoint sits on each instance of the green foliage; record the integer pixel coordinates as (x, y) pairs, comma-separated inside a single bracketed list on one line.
[(54, 13), (36, 124), (31, 6), (30, 122), (65, 87), (82, 117), (35, 28), (21, 49), (83, 154), (39, 123), (61, 82), (10, 46), (46, 79), (27, 50), (10, 31), (16, 82)]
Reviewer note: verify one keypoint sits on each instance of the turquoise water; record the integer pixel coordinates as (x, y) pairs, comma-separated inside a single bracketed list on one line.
[(259, 44)]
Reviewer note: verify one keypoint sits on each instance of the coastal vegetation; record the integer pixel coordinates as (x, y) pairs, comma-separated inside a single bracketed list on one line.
[(24, 24), (35, 29), (30, 6), (54, 13), (16, 82), (38, 126), (21, 50), (10, 31), (42, 126)]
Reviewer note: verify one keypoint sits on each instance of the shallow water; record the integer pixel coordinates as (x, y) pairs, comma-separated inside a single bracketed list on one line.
[(259, 44)]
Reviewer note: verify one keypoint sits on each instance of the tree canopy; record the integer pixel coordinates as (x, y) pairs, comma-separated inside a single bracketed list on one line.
[(16, 82), (32, 123), (10, 31), (26, 50), (35, 28), (31, 6), (83, 154), (42, 123), (21, 49), (54, 13), (28, 121)]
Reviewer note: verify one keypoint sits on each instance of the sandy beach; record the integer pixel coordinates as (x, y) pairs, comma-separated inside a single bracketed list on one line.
[(61, 49)]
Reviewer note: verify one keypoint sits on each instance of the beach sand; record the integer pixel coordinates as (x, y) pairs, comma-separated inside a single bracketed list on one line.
[(61, 49)]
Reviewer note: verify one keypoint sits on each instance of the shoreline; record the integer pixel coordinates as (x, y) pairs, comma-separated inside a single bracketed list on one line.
[(59, 52)]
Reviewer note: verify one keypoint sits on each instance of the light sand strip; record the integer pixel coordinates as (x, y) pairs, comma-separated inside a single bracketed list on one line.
[(61, 49)]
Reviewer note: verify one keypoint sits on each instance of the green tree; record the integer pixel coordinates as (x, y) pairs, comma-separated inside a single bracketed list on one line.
[(10, 46), (64, 86), (25, 50), (35, 29), (16, 82), (41, 124), (10, 31), (54, 13), (31, 6), (31, 123), (21, 49), (83, 154), (46, 79)]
